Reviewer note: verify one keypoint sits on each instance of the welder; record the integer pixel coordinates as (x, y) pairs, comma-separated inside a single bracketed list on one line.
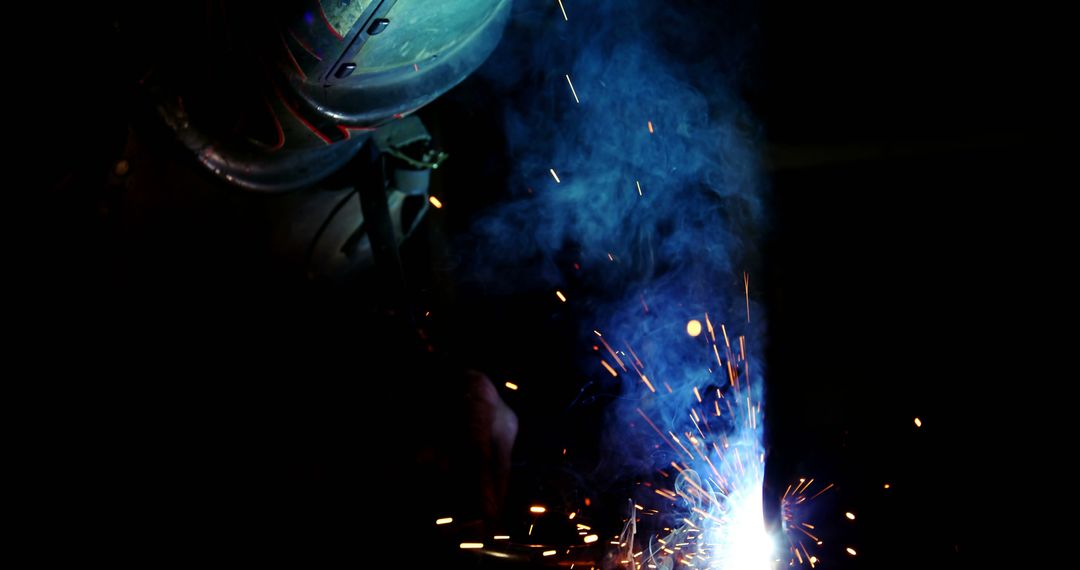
[(244, 242)]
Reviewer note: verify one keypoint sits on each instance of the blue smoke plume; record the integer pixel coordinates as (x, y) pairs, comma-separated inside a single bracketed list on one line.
[(632, 152)]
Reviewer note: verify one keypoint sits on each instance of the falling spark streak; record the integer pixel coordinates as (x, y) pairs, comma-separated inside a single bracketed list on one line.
[(555, 176), (563, 11), (435, 202), (650, 128), (638, 187), (648, 384), (446, 520), (612, 353), (549, 553), (918, 422), (472, 545), (572, 90), (608, 367), (501, 537), (746, 288), (851, 551), (537, 509), (511, 386), (827, 487), (560, 295), (850, 516)]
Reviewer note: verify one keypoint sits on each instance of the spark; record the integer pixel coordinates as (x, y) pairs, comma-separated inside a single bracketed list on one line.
[(446, 520), (501, 537), (850, 516), (648, 384), (537, 509), (851, 551), (591, 538), (638, 183), (608, 367), (563, 11), (435, 202), (886, 485), (572, 515), (918, 422), (576, 100), (549, 553), (472, 545), (555, 176), (560, 295), (511, 386), (650, 128), (827, 487), (693, 328), (746, 288)]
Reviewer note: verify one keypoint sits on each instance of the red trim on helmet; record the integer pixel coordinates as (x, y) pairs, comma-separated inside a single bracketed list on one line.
[(277, 125), (304, 45), (292, 58), (329, 26)]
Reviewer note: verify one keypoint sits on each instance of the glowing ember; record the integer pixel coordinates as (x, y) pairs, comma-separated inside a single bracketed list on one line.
[(850, 516), (446, 520), (886, 485), (650, 128), (511, 386), (472, 545), (918, 422), (549, 553), (435, 202), (591, 538), (693, 328), (537, 509), (572, 515), (851, 551), (560, 296), (501, 537)]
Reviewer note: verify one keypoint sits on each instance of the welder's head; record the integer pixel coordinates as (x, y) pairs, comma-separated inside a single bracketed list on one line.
[(277, 95)]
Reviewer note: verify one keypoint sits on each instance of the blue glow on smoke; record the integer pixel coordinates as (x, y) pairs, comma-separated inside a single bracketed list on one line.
[(632, 150)]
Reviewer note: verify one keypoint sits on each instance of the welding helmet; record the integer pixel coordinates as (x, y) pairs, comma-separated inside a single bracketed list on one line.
[(275, 96)]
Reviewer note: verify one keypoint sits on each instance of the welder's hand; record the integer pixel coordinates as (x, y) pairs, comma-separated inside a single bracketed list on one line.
[(491, 429)]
